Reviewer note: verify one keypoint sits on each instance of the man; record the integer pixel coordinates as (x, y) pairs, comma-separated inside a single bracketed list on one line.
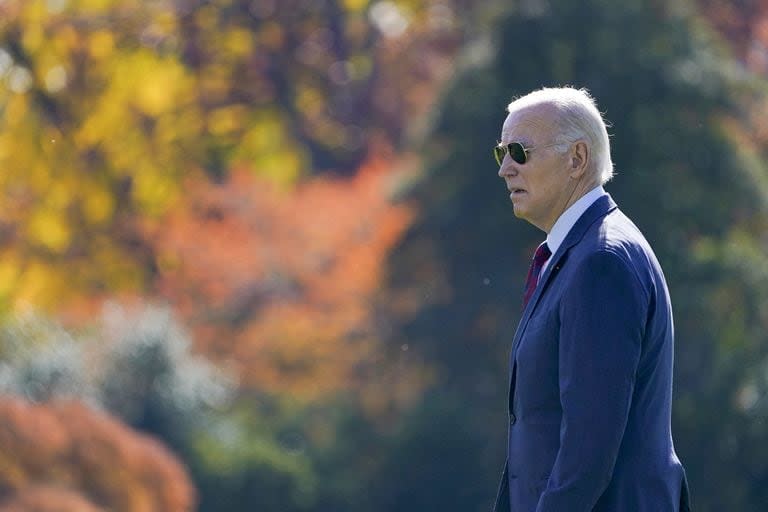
[(590, 391)]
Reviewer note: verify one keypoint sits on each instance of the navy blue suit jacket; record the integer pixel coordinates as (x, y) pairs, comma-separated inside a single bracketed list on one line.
[(590, 393)]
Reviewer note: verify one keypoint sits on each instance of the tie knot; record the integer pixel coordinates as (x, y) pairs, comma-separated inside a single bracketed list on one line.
[(542, 254)]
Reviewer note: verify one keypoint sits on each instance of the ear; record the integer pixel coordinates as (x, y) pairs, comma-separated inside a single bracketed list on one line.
[(579, 159)]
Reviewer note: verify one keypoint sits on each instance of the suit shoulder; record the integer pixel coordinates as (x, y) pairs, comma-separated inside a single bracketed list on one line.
[(604, 257), (609, 271), (616, 243), (617, 234)]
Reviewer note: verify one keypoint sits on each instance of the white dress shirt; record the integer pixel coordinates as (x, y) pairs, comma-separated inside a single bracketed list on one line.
[(567, 220)]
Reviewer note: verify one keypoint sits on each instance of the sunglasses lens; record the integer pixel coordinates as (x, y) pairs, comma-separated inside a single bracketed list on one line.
[(517, 152), (498, 154)]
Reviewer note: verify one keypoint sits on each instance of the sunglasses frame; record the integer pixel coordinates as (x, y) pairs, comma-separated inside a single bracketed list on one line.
[(501, 150)]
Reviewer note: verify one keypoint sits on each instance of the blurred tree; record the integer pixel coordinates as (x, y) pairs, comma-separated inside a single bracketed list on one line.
[(66, 457), (48, 499), (106, 105), (135, 363), (139, 95), (96, 127), (266, 449), (284, 286), (744, 25), (117, 114), (689, 173)]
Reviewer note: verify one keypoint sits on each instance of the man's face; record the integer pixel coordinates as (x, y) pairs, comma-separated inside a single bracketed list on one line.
[(540, 188)]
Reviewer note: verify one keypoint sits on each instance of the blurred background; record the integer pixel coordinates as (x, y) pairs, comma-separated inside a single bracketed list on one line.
[(254, 254)]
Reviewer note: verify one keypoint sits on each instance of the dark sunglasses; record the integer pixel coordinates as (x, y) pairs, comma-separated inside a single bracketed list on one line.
[(517, 152)]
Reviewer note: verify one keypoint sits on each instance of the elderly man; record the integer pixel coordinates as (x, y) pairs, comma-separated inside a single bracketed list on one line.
[(590, 392)]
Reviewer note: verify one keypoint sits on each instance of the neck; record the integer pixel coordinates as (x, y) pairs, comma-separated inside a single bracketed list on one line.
[(579, 190)]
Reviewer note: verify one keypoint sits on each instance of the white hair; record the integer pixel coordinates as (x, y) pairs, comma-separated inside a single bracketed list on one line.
[(577, 118)]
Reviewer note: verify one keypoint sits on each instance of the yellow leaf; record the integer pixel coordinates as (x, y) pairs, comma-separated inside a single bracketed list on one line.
[(98, 205), (186, 126), (49, 229), (39, 285), (158, 84), (239, 42), (9, 273), (95, 5), (153, 190), (268, 132), (282, 167), (166, 22), (226, 120), (6, 143), (117, 269), (64, 40), (15, 110), (355, 5), (33, 38), (101, 43), (309, 100)]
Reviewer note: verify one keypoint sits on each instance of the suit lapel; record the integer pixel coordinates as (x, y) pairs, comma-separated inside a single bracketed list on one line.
[(600, 208)]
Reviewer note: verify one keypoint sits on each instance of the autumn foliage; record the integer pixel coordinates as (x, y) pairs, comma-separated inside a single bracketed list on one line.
[(744, 25), (66, 457), (107, 106), (283, 284)]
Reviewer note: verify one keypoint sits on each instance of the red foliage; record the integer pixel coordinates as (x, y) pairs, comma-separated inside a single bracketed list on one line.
[(48, 499), (744, 24), (283, 283), (67, 457)]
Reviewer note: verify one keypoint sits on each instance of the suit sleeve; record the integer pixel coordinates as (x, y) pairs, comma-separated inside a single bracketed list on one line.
[(603, 316)]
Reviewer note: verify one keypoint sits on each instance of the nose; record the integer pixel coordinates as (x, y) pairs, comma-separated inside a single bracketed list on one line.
[(507, 168)]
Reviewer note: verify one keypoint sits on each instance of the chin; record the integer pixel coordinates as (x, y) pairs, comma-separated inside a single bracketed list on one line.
[(519, 211)]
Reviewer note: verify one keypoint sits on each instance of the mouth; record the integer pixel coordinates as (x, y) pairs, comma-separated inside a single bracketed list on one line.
[(516, 191)]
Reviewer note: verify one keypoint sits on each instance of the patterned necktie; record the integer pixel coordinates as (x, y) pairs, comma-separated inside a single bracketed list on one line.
[(541, 255)]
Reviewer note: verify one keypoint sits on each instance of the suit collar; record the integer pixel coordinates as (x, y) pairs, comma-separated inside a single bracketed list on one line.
[(570, 216), (600, 208)]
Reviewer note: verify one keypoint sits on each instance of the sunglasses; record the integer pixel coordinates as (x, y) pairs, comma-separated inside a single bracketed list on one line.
[(516, 150)]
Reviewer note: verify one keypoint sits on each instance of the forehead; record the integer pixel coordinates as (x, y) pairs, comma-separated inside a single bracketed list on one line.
[(528, 125)]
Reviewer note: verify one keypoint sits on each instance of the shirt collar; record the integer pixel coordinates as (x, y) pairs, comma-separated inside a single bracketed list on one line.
[(569, 217)]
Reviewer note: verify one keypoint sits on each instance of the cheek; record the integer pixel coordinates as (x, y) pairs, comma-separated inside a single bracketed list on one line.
[(549, 185)]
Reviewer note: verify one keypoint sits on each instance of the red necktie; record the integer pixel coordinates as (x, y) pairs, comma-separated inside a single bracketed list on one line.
[(541, 255)]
